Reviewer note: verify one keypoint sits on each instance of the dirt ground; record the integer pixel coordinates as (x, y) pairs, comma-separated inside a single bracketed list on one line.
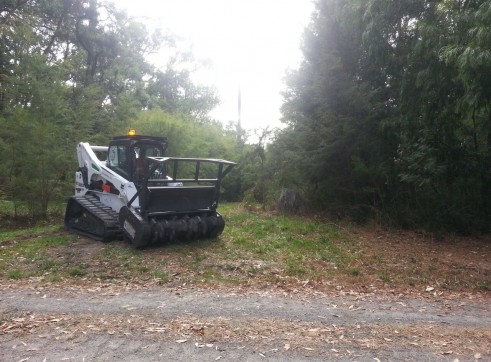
[(109, 323), (432, 311)]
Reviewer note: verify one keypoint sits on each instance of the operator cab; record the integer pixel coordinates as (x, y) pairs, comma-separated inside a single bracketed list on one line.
[(127, 156)]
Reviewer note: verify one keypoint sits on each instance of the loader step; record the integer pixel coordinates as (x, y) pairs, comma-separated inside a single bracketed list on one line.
[(87, 216)]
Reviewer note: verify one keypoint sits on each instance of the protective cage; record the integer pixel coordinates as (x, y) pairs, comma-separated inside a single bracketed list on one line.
[(179, 204), (181, 194)]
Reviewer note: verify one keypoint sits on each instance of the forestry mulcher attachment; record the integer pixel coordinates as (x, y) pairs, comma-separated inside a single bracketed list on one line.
[(138, 193)]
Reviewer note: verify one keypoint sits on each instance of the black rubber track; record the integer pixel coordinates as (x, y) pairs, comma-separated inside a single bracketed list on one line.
[(87, 216)]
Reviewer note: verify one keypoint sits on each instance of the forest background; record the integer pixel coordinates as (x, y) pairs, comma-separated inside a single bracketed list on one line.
[(387, 118)]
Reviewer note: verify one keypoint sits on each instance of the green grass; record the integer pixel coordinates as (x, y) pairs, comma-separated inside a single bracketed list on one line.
[(24, 253), (37, 231), (15, 274), (252, 246), (77, 272), (8, 208), (384, 276), (255, 247), (162, 276), (13, 216), (295, 243), (355, 271), (485, 286)]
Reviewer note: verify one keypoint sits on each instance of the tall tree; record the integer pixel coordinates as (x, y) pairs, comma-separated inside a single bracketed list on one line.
[(390, 111), (73, 70), (332, 113), (173, 89)]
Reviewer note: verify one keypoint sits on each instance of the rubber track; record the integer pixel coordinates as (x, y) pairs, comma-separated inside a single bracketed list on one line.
[(105, 225)]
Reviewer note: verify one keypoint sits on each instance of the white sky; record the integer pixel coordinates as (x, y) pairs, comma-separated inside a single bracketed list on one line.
[(250, 43)]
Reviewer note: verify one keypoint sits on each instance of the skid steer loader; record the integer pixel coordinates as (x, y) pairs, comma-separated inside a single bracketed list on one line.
[(132, 190)]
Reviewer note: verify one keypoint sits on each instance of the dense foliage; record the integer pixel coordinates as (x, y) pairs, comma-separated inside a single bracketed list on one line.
[(76, 70), (389, 114)]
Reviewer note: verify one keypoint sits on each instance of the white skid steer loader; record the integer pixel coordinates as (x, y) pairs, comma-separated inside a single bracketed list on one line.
[(132, 190)]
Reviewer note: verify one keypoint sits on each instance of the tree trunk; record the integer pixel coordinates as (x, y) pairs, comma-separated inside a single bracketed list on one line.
[(289, 201)]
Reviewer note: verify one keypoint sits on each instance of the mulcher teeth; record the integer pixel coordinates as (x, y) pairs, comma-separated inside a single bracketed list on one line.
[(186, 228)]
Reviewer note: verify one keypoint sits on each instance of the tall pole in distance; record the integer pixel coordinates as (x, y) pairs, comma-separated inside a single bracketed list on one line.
[(239, 140)]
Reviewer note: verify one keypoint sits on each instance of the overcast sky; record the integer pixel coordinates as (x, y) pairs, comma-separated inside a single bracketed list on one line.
[(250, 43)]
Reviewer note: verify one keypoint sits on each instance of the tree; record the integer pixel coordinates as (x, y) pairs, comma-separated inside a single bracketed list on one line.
[(443, 154), (389, 112), (73, 70), (174, 91), (332, 112)]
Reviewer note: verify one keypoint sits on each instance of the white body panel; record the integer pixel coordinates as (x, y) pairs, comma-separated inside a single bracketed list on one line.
[(97, 171)]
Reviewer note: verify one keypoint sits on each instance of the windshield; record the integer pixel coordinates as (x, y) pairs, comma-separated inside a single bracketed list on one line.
[(141, 164)]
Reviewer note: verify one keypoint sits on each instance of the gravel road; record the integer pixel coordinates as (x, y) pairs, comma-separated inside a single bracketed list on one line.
[(105, 323)]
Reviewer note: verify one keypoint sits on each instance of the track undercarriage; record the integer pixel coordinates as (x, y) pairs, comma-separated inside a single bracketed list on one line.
[(87, 216)]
